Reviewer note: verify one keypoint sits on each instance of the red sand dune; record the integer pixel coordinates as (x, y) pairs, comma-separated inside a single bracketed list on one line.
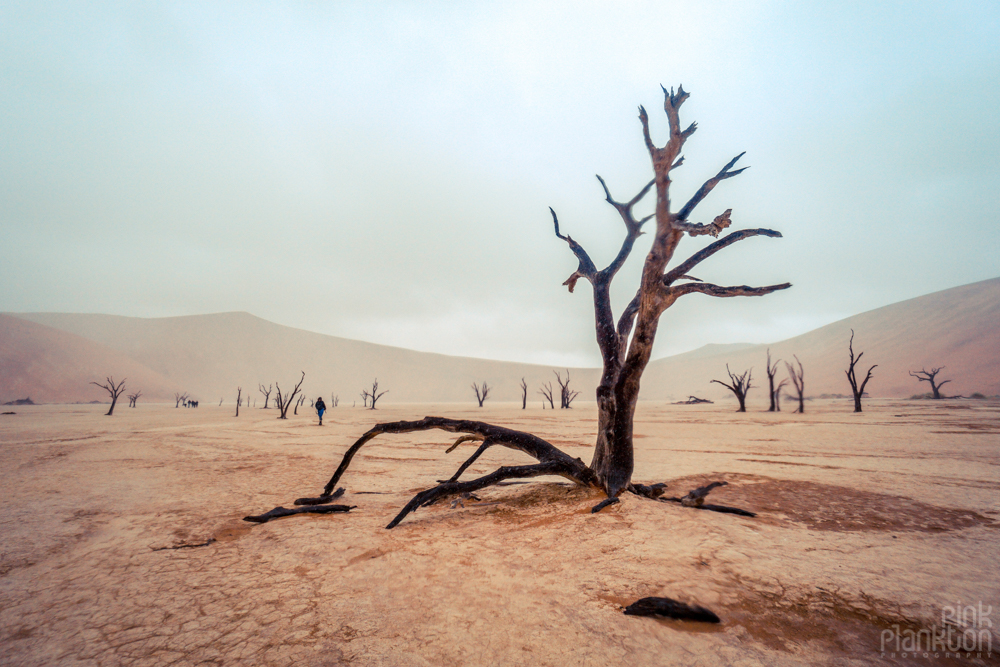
[(210, 355)]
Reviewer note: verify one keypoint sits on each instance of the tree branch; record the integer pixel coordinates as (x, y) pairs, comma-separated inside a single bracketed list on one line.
[(716, 290), (694, 260), (586, 268), (709, 185)]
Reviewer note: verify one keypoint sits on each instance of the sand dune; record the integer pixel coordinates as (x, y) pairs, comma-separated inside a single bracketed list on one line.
[(210, 355), (957, 328), (49, 365)]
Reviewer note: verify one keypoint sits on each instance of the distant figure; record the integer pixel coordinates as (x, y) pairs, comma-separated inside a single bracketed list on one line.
[(320, 409)]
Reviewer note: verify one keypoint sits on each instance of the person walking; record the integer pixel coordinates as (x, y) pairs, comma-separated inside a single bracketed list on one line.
[(320, 409)]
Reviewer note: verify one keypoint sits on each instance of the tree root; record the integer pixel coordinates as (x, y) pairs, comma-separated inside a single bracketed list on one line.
[(694, 499), (321, 500), (185, 546), (671, 609), (604, 503), (311, 509)]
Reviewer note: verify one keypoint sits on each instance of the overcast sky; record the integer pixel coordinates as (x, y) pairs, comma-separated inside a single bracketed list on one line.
[(384, 171)]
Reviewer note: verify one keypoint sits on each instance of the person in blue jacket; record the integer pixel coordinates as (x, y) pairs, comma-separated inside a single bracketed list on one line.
[(320, 409)]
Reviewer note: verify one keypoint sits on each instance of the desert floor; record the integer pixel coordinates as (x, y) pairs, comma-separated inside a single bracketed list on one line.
[(865, 522)]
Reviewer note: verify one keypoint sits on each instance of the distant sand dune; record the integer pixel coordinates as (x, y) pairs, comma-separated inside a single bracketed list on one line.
[(210, 355)]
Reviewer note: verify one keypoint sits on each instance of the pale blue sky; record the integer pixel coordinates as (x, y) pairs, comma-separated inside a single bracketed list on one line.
[(383, 172)]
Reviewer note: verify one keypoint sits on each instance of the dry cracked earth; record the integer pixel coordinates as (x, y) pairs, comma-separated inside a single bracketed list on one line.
[(866, 524)]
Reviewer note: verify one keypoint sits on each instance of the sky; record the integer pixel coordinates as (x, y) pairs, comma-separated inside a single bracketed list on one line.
[(383, 171)]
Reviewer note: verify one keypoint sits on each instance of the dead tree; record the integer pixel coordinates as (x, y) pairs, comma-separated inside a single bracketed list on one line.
[(115, 390), (777, 394), (285, 400), (239, 401), (267, 394), (798, 379), (132, 398), (925, 376), (373, 395), (625, 345), (771, 372), (482, 393), (524, 394), (220, 401), (740, 385), (180, 398), (858, 391), (302, 399), (566, 395), (547, 394), (334, 400)]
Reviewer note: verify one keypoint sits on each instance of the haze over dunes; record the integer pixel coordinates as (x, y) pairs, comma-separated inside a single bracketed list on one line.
[(52, 356)]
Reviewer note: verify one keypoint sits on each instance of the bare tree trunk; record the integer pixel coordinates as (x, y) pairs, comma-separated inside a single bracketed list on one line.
[(798, 380), (858, 391), (239, 392), (373, 396), (547, 394), (771, 372), (524, 394), (925, 376), (285, 401), (267, 394), (114, 390), (482, 393), (777, 394), (740, 385)]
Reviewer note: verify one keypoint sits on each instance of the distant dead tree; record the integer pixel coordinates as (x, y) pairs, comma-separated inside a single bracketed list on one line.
[(113, 389), (302, 399), (239, 400), (772, 370), (132, 398), (334, 400), (777, 394), (285, 400), (740, 385), (547, 394), (220, 401), (858, 391), (524, 394), (482, 393), (566, 395), (925, 376), (180, 398), (372, 396), (266, 394), (798, 379), (693, 400)]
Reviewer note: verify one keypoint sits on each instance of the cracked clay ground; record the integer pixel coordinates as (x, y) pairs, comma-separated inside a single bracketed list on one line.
[(865, 521)]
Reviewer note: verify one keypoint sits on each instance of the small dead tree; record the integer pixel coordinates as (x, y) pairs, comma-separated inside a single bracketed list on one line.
[(798, 379), (524, 394), (739, 385), (239, 400), (772, 370), (482, 393), (180, 398), (267, 394), (929, 376), (115, 390), (373, 395), (547, 394), (221, 398), (334, 400), (625, 343), (857, 390), (777, 394), (285, 400), (132, 398), (302, 399), (566, 395)]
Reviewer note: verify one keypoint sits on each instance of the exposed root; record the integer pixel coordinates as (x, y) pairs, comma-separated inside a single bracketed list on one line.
[(321, 500), (185, 546), (311, 509), (604, 503)]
